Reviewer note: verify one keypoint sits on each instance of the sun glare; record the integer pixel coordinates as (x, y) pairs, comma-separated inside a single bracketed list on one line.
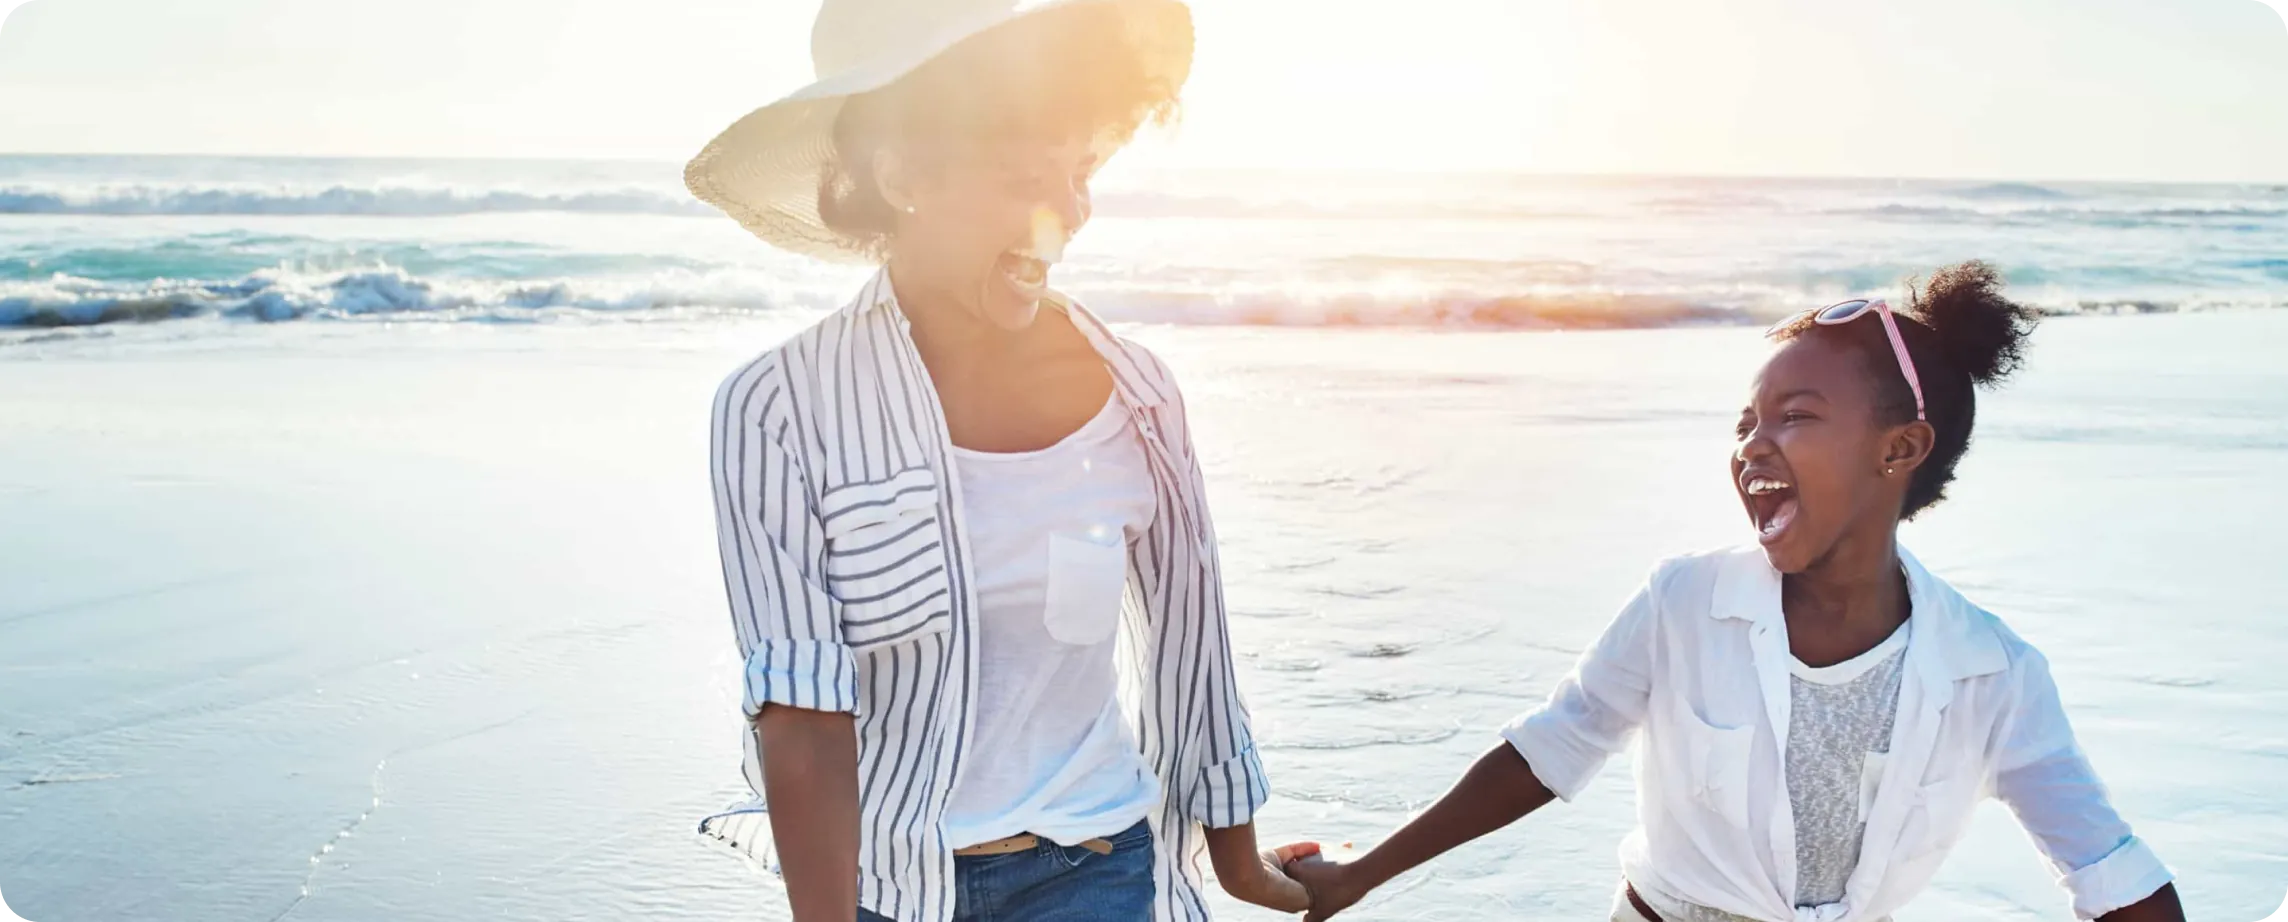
[(1294, 83)]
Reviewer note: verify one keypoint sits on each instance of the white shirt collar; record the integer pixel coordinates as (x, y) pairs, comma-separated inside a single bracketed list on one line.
[(1960, 640)]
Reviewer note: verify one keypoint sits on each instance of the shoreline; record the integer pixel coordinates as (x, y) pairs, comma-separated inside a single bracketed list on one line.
[(246, 570)]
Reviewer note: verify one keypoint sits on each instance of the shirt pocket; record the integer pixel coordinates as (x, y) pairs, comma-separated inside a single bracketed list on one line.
[(886, 560), (1716, 760), (1086, 583)]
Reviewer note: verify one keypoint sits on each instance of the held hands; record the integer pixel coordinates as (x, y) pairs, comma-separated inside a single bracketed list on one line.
[(1290, 878), (1259, 877), (1333, 885), (1497, 790), (1274, 886)]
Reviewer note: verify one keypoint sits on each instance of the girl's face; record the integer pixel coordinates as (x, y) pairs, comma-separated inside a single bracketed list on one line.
[(1812, 454), (988, 224)]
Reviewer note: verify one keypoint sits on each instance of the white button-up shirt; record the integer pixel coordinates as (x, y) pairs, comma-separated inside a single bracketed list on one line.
[(853, 588), (1699, 661)]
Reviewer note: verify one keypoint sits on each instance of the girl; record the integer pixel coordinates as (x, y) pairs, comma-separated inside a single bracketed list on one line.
[(962, 523), (1819, 713)]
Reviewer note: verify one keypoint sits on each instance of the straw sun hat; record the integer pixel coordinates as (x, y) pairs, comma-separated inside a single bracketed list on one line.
[(766, 168)]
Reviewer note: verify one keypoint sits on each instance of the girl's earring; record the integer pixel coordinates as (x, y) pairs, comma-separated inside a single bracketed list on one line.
[(909, 209), (1888, 471)]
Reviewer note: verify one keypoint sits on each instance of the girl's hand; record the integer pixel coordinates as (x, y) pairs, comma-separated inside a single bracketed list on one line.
[(1331, 885)]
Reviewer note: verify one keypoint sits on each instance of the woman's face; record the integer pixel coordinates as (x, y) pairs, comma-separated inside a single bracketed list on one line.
[(989, 223), (1810, 461)]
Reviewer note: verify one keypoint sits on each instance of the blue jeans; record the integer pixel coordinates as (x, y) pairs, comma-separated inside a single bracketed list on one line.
[(1054, 883)]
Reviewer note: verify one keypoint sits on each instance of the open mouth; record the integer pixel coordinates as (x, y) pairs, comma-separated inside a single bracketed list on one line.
[(1772, 504), (1026, 265), (1024, 271)]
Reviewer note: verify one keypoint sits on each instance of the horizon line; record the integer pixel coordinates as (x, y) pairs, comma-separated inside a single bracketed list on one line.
[(676, 163)]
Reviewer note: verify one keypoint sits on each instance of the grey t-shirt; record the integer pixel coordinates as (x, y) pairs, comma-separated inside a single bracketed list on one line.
[(1840, 724)]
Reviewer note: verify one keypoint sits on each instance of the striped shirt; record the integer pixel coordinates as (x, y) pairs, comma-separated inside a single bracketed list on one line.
[(851, 585)]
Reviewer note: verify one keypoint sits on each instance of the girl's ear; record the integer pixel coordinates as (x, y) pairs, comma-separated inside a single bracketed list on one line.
[(1908, 447)]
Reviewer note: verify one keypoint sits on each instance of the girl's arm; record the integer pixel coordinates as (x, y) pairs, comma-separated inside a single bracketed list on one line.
[(2044, 777), (1498, 790), (1548, 754), (2162, 906)]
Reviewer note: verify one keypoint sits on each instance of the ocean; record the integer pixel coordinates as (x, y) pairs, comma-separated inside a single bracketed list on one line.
[(379, 583), (85, 240)]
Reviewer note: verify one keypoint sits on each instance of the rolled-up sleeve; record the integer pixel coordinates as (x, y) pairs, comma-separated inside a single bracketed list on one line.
[(2044, 777), (773, 546), (1230, 784), (1596, 710), (1229, 792)]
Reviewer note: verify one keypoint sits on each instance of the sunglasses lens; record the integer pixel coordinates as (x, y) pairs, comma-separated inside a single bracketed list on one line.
[(1843, 312)]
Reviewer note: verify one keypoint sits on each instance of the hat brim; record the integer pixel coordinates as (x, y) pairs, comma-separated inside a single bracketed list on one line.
[(764, 171)]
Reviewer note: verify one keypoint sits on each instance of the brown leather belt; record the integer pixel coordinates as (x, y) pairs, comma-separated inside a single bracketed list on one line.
[(1023, 842), (1637, 902)]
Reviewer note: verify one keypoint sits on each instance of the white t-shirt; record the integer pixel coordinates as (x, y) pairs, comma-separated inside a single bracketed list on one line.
[(1051, 753)]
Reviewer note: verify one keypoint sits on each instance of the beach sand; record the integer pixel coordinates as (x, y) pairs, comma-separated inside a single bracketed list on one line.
[(362, 621)]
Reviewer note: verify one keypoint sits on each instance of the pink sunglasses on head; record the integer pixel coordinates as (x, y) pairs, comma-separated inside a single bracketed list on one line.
[(1843, 312)]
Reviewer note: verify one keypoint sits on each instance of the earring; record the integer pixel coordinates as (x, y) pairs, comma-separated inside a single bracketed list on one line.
[(1888, 471), (909, 209)]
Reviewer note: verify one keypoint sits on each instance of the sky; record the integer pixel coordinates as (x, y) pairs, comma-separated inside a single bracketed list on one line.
[(2193, 90)]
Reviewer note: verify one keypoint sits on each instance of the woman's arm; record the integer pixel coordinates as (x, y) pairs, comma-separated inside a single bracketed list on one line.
[(1257, 876), (801, 686), (1498, 790), (1229, 785), (810, 777)]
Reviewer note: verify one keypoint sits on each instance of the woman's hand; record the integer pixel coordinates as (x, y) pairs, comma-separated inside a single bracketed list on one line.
[(1332, 886), (1269, 885), (1258, 877)]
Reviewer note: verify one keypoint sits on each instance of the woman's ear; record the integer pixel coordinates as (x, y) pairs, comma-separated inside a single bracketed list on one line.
[(893, 181), (1909, 446)]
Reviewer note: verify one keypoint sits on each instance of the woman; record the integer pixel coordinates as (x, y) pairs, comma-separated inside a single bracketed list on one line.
[(939, 507), (1820, 714)]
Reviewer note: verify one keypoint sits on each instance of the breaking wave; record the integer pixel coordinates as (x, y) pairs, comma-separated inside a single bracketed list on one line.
[(282, 294), (131, 201)]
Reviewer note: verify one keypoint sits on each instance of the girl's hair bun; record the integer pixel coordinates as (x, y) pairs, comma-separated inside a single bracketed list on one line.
[(1980, 332)]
